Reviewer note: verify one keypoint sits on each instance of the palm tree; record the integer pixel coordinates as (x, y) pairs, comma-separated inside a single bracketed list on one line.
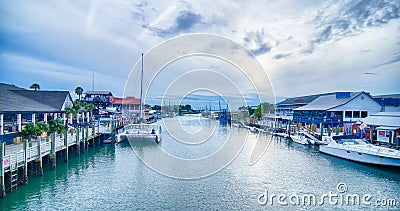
[(35, 86), (79, 91)]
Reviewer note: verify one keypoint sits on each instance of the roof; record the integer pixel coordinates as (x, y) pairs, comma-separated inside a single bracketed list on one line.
[(125, 101), (388, 119), (395, 96), (15, 99), (302, 100), (326, 102), (98, 93), (54, 99)]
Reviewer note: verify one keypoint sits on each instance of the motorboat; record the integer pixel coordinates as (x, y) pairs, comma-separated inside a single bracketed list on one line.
[(358, 149), (300, 138)]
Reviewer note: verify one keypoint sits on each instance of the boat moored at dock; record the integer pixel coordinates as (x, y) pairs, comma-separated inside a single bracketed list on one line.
[(359, 150), (149, 133)]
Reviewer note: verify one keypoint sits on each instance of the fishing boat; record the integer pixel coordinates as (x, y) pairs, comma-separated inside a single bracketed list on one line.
[(359, 150), (300, 138), (142, 131)]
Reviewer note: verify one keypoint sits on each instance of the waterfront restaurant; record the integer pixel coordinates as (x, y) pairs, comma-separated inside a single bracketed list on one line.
[(19, 107), (338, 109), (285, 108)]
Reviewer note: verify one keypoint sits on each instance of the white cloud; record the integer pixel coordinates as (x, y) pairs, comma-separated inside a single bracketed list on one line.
[(306, 46)]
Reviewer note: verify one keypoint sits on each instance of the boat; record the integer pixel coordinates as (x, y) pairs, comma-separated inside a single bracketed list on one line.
[(280, 132), (142, 131), (300, 138), (359, 150)]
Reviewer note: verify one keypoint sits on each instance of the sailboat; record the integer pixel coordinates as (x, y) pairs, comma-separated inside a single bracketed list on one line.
[(141, 132)]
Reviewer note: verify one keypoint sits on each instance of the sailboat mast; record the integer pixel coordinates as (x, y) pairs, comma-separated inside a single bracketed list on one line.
[(141, 94)]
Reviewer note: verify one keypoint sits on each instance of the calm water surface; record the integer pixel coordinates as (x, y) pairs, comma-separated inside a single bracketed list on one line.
[(112, 177)]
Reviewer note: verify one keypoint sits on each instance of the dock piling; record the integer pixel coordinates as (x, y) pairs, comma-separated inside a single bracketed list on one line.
[(52, 155), (2, 185), (39, 160)]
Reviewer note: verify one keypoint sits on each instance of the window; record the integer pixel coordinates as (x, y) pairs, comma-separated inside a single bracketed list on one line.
[(364, 114), (348, 114), (356, 114)]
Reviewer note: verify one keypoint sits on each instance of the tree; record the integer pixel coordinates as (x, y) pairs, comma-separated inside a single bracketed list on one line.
[(30, 130), (258, 113), (79, 91), (35, 86), (269, 108), (42, 127), (56, 125)]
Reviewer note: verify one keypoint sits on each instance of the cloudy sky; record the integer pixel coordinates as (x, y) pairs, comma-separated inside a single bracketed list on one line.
[(305, 47)]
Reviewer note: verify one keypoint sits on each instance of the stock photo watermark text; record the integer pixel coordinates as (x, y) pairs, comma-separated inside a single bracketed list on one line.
[(339, 197)]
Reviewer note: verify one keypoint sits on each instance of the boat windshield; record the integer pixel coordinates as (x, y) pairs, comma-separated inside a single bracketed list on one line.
[(352, 141)]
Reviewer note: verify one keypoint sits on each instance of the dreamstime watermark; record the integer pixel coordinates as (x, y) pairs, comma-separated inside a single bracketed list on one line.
[(225, 69), (340, 197)]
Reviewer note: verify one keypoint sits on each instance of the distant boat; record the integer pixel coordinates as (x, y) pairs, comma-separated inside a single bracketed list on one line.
[(359, 150)]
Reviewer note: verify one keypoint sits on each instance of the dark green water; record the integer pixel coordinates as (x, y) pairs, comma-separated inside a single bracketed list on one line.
[(111, 177)]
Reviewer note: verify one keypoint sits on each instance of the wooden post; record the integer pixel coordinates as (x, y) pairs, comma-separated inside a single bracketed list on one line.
[(321, 127), (1, 124), (66, 145), (34, 119), (2, 185), (52, 155), (329, 130), (25, 173), (39, 160), (78, 143), (87, 134), (84, 139), (19, 122)]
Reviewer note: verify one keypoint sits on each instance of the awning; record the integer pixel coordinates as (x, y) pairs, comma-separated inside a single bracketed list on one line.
[(387, 128)]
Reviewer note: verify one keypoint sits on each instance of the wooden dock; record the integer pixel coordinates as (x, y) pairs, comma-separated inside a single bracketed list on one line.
[(17, 159)]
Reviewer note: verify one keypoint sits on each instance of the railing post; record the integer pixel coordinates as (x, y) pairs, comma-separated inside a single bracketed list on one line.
[(66, 145), (78, 142), (2, 185), (39, 159), (52, 155), (25, 170)]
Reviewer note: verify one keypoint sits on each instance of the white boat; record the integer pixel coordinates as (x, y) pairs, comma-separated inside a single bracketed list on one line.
[(134, 133), (142, 132), (359, 150), (300, 138)]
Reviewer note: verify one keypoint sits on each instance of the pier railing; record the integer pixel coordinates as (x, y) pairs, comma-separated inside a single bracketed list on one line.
[(19, 154)]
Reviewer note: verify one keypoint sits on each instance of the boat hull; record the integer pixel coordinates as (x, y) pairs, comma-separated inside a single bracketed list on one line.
[(300, 140), (143, 138), (361, 157)]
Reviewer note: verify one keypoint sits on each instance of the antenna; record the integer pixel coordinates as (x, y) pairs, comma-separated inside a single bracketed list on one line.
[(93, 81)]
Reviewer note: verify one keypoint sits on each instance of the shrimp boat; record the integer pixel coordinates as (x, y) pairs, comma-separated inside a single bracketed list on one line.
[(141, 132), (359, 150)]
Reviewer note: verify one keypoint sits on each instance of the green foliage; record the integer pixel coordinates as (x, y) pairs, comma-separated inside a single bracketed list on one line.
[(268, 108), (79, 91), (258, 113), (56, 125), (30, 130), (90, 106), (42, 127), (35, 86), (156, 107)]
